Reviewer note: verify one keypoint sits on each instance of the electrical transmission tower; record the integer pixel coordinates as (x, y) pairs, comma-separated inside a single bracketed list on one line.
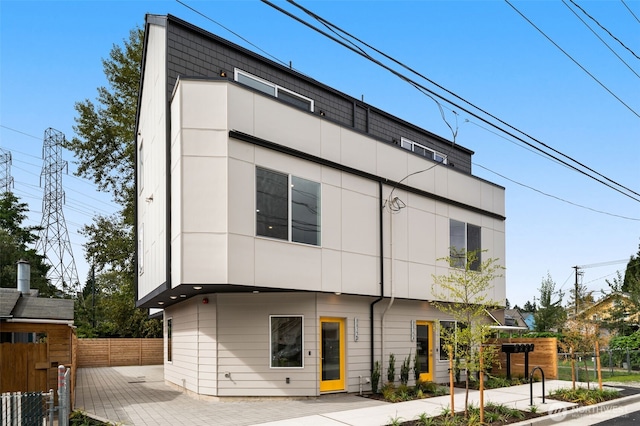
[(6, 180), (54, 242)]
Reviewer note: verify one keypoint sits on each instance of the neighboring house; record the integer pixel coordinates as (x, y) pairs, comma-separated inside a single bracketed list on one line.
[(601, 310), (514, 318), (529, 320), (279, 228), (36, 335)]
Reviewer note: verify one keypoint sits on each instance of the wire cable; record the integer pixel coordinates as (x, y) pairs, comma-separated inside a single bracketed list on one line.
[(630, 11), (604, 29), (572, 59), (555, 197), (599, 38), (231, 31), (405, 78)]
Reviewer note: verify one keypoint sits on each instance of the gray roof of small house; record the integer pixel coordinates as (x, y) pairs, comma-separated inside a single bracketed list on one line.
[(8, 300), (14, 305)]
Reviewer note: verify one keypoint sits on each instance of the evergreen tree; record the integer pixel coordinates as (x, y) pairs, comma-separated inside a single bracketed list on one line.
[(550, 315), (15, 242), (105, 146), (631, 282)]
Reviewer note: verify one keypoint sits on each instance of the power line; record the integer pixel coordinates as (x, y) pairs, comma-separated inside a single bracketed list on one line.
[(630, 11), (418, 85), (556, 197), (600, 38), (603, 28), (571, 57)]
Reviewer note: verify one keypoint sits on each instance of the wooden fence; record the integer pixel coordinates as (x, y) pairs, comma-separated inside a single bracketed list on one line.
[(119, 352), (544, 355)]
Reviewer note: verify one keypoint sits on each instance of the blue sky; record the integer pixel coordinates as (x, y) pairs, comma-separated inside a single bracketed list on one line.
[(484, 51)]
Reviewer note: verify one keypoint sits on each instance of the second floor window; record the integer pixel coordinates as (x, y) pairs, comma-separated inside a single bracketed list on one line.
[(287, 207), (464, 238)]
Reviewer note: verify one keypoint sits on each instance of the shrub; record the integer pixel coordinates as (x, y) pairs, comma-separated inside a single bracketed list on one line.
[(391, 371), (375, 377), (404, 370)]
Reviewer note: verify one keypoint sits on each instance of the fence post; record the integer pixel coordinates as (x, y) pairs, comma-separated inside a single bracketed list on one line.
[(628, 362), (63, 396)]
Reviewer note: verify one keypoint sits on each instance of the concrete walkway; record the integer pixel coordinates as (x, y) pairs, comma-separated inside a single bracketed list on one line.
[(139, 396)]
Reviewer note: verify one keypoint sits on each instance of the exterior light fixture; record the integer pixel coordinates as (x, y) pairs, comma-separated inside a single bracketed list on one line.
[(197, 287), (173, 297), (160, 303)]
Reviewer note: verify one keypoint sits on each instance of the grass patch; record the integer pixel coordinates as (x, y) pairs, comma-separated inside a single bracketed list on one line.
[(624, 379)]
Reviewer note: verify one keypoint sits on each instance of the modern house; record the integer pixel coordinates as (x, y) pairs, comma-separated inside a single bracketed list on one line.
[(289, 232)]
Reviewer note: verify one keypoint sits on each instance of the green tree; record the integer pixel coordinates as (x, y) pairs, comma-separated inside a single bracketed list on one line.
[(623, 305), (466, 292), (631, 282), (530, 307), (550, 314), (104, 147), (15, 239)]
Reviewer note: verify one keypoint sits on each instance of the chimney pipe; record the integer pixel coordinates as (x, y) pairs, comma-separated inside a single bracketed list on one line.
[(24, 277)]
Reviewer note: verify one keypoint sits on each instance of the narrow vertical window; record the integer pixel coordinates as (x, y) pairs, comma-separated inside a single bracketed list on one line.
[(140, 168), (457, 243), (474, 245), (272, 204), (305, 211), (169, 343), (141, 249)]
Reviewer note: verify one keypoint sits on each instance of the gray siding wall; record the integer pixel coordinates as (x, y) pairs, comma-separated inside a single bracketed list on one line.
[(195, 53)]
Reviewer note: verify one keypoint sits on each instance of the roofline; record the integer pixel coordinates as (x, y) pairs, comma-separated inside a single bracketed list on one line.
[(311, 80), (40, 321)]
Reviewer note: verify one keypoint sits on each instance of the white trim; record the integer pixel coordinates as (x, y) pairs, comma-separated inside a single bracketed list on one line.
[(276, 88), (40, 321), (416, 147)]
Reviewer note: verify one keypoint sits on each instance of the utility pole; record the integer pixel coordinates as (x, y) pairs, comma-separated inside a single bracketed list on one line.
[(575, 291), (6, 180), (53, 242)]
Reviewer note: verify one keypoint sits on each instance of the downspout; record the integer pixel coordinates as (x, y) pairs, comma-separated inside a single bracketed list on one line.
[(384, 314), (371, 317)]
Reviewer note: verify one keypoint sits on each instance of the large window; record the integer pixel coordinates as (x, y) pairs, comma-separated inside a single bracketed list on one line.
[(286, 341), (464, 238), (287, 207), (273, 90)]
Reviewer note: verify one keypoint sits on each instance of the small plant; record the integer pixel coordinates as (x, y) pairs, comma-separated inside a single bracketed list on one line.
[(416, 367), (375, 377), (445, 411), (533, 409), (424, 420), (389, 392), (395, 421), (391, 371), (404, 370)]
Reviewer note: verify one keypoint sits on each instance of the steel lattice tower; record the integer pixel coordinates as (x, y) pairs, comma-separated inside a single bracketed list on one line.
[(54, 241), (6, 180)]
